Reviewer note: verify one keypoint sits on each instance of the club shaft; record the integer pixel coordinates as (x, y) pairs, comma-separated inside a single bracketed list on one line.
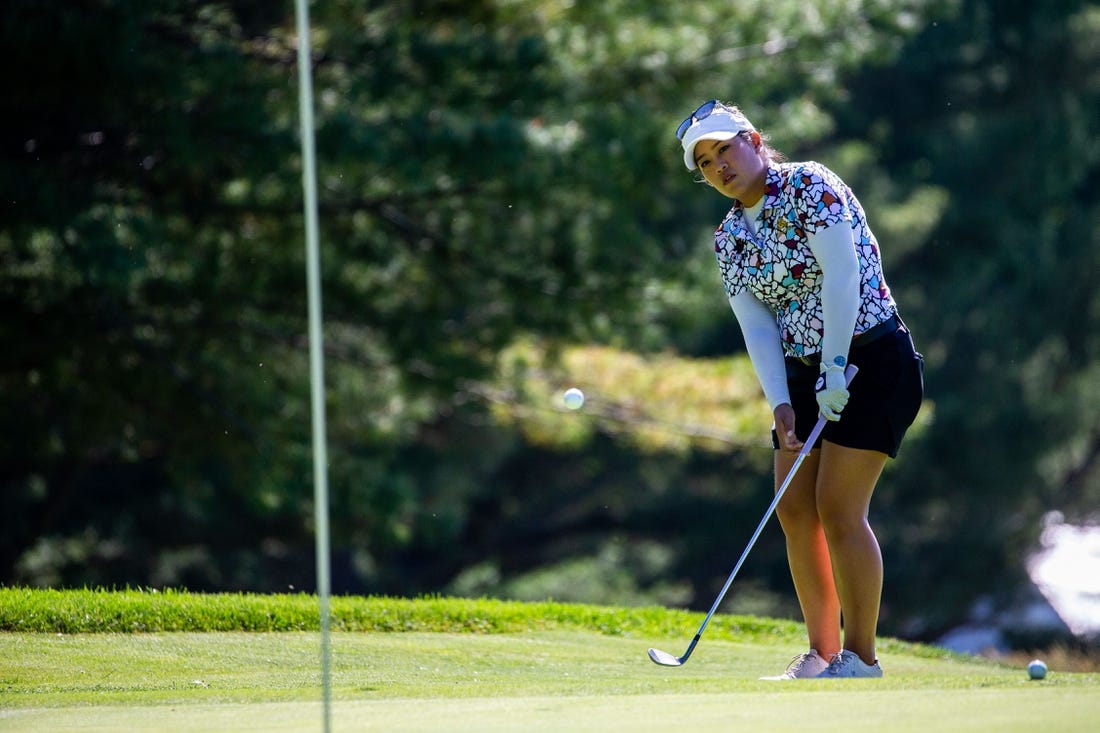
[(807, 446), (763, 522)]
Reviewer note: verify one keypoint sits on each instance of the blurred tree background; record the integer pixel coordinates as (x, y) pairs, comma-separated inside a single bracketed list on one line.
[(504, 212)]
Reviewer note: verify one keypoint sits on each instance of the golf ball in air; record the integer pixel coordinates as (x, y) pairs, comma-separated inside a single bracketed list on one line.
[(1037, 669), (573, 398)]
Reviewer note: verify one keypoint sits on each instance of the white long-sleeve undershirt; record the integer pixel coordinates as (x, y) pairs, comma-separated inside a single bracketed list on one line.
[(761, 333), (835, 252)]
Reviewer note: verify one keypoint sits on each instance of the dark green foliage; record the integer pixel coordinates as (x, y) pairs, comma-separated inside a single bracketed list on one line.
[(491, 172), (998, 107)]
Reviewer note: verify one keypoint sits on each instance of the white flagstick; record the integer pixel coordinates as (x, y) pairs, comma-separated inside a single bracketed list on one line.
[(316, 354)]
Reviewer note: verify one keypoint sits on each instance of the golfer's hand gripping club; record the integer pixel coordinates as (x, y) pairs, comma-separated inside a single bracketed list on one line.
[(832, 391), (668, 660)]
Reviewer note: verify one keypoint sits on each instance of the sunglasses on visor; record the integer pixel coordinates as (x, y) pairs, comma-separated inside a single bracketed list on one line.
[(701, 113)]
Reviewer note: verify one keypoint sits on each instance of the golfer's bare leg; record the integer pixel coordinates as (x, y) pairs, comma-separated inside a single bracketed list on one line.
[(808, 553), (846, 478)]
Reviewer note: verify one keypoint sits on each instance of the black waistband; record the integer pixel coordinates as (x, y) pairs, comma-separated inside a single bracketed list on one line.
[(877, 331), (872, 334)]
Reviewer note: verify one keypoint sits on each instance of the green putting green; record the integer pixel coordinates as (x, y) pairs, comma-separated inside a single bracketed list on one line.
[(553, 680)]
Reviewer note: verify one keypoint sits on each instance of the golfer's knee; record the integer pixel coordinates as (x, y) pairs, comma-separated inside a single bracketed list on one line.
[(842, 522), (797, 518)]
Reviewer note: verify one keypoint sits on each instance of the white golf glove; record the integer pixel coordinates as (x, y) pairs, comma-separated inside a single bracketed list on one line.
[(832, 391)]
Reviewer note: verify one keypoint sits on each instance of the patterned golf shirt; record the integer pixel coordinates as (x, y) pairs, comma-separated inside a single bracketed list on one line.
[(778, 267)]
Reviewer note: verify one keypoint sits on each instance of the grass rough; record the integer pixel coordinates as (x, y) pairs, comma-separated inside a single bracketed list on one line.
[(136, 611), (90, 611)]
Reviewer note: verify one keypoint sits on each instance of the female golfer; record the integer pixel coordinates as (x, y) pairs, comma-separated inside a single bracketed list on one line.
[(804, 277)]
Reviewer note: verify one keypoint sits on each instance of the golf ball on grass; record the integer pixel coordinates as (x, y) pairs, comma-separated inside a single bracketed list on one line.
[(573, 398), (1037, 669)]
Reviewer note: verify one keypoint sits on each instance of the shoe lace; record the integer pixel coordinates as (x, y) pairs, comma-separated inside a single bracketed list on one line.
[(798, 662), (836, 664)]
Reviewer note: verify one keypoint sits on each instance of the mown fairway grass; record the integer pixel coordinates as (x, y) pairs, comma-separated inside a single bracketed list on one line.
[(459, 665)]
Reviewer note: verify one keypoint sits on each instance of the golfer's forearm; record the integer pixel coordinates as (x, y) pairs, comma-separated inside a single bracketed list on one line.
[(836, 253), (761, 333)]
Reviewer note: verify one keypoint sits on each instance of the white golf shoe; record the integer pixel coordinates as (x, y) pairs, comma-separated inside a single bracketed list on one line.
[(846, 664), (804, 666)]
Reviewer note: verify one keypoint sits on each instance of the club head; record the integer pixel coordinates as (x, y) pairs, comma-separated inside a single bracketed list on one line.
[(665, 659)]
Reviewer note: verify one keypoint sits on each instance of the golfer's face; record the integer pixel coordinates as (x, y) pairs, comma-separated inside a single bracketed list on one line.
[(734, 167)]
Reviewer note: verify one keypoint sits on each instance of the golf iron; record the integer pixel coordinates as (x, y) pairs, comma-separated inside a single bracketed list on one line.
[(668, 660)]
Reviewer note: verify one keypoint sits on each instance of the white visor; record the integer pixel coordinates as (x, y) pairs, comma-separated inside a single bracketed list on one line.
[(721, 124)]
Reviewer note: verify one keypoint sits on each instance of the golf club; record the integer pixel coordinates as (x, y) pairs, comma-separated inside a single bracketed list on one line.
[(668, 660)]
